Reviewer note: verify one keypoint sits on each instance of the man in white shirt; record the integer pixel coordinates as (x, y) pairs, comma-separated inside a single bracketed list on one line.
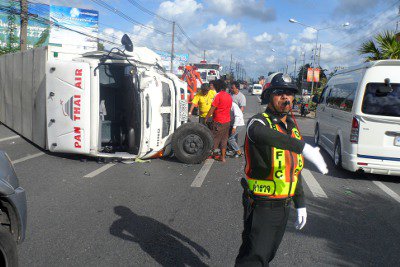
[(237, 96), (237, 121)]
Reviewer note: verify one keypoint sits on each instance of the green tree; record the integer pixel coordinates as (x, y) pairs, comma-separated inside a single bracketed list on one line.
[(100, 46), (382, 46), (43, 38)]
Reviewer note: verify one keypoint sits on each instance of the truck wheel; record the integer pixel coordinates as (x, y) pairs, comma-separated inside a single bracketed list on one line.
[(8, 249), (192, 143)]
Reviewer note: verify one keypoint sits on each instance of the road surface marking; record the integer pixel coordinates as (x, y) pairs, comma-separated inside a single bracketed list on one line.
[(198, 181), (28, 158), (387, 190), (259, 99), (99, 170), (312, 183), (10, 138)]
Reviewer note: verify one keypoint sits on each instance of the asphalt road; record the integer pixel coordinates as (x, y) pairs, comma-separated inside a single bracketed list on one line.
[(149, 214)]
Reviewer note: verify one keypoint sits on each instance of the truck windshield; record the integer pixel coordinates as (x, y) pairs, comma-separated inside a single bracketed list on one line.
[(383, 104)]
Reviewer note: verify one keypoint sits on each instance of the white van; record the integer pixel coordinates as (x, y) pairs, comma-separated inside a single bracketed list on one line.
[(257, 89), (358, 118)]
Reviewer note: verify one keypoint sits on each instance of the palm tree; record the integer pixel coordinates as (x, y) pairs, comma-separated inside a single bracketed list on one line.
[(383, 46)]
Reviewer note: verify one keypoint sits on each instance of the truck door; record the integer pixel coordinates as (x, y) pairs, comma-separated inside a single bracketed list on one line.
[(68, 107)]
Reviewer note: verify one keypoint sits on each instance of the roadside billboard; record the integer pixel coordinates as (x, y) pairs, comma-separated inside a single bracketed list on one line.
[(179, 60), (74, 27), (38, 27), (313, 73), (71, 27)]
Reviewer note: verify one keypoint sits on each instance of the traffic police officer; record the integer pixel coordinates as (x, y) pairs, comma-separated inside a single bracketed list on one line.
[(274, 152)]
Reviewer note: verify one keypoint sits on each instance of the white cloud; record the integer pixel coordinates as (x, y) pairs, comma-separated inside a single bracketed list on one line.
[(308, 35), (270, 59), (254, 9), (223, 36), (185, 12), (265, 37)]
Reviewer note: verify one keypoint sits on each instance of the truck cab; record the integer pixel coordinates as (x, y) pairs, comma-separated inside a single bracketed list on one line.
[(119, 105)]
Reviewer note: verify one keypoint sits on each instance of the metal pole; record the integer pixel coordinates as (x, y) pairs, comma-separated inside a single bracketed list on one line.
[(204, 56), (24, 25), (315, 54), (172, 46), (294, 70), (302, 73), (319, 55)]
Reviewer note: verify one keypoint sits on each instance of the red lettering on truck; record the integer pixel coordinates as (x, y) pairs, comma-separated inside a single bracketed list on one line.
[(78, 78), (77, 137), (77, 107)]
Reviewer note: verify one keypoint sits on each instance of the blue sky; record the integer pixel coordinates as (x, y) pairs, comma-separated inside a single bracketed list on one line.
[(249, 29)]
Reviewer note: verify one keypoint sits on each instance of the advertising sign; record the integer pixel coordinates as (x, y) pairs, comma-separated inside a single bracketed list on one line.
[(38, 27), (74, 27), (311, 75), (71, 27), (179, 60)]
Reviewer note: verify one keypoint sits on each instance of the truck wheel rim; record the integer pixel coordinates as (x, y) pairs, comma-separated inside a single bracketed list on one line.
[(192, 144)]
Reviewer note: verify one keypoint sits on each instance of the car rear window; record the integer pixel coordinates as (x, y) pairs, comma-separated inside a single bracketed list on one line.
[(384, 104)]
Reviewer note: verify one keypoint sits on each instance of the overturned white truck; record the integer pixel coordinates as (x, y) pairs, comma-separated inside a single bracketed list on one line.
[(103, 104)]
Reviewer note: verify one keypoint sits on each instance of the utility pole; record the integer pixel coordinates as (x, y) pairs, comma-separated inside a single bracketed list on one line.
[(294, 71), (172, 46), (302, 73), (230, 66), (204, 55), (24, 25), (319, 54)]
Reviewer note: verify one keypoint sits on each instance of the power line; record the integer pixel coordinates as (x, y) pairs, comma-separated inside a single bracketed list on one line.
[(126, 17), (368, 23), (142, 8)]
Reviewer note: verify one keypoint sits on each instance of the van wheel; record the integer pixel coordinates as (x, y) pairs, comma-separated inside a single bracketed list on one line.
[(316, 135), (8, 249), (337, 155), (192, 143)]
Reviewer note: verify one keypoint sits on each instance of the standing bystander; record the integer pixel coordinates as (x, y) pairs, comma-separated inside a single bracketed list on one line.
[(203, 100), (237, 122), (220, 110), (237, 96)]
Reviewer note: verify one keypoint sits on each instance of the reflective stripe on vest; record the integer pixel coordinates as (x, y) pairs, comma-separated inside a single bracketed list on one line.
[(281, 179)]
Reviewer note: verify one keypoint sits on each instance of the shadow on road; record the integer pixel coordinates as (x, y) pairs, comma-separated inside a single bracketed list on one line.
[(358, 230), (165, 245)]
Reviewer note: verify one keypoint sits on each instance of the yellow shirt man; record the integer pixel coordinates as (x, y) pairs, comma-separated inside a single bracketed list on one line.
[(204, 101)]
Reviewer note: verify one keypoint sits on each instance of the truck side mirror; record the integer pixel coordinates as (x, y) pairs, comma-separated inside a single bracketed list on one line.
[(127, 43)]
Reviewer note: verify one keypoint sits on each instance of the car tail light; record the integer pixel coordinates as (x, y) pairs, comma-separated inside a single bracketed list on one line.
[(362, 163), (355, 129)]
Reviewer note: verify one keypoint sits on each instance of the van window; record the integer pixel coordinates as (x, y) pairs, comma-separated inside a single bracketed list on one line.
[(342, 96), (323, 95), (383, 104)]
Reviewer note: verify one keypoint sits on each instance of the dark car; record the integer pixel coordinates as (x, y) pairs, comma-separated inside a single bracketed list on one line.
[(12, 212)]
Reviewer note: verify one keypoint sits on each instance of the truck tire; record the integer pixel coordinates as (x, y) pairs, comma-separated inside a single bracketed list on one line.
[(192, 143), (8, 249)]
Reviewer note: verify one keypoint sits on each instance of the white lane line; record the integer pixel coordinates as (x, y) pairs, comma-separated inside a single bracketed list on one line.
[(99, 170), (10, 138), (259, 99), (198, 181), (312, 183), (28, 158), (387, 190)]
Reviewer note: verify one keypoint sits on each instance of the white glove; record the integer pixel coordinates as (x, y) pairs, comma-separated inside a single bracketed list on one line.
[(301, 218), (312, 154)]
